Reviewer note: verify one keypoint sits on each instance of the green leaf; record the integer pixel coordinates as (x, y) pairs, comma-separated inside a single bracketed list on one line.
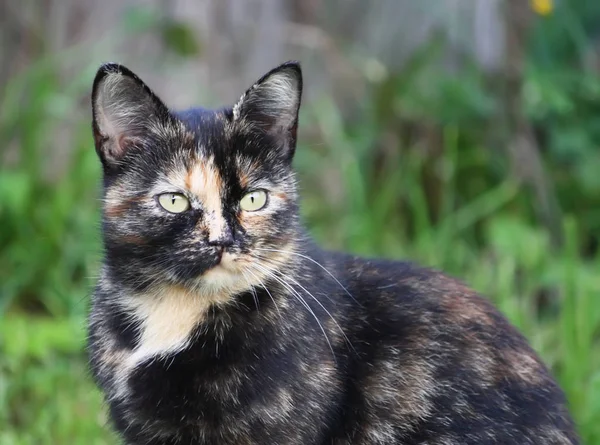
[(138, 19), (15, 188), (179, 38)]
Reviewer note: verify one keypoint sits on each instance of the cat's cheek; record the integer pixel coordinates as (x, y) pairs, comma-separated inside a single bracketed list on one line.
[(255, 224), (132, 242), (268, 231)]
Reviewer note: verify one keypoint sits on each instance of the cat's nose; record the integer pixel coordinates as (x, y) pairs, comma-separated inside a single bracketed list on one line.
[(221, 242), (224, 239), (219, 233)]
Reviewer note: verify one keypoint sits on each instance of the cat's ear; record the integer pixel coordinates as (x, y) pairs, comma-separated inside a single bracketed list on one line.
[(124, 111), (273, 102)]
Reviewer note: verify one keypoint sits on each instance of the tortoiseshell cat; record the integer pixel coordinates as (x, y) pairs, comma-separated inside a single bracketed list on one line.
[(217, 321)]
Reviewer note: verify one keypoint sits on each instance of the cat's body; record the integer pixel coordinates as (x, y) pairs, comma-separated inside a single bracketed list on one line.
[(222, 325)]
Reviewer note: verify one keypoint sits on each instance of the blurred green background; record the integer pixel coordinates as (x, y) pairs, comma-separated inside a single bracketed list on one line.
[(464, 134)]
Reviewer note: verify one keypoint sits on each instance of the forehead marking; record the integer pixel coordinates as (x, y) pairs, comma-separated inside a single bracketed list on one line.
[(204, 180)]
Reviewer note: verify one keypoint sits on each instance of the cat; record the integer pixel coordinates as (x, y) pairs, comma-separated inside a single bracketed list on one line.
[(217, 320)]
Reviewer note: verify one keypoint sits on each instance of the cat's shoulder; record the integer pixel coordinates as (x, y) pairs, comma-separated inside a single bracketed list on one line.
[(421, 296)]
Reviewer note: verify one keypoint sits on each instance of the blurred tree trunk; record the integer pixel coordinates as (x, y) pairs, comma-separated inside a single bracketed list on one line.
[(522, 146), (304, 11)]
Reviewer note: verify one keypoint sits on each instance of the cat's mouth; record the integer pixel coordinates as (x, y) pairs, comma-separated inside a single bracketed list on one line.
[(224, 259), (220, 252), (225, 273)]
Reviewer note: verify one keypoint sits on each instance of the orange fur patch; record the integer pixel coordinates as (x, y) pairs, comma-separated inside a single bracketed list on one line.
[(116, 208), (204, 180), (133, 239)]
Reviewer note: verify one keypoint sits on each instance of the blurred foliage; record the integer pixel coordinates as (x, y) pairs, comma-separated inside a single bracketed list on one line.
[(420, 172), (176, 36), (49, 226)]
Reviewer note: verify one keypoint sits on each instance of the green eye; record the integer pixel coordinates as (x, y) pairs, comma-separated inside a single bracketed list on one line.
[(173, 202), (253, 201)]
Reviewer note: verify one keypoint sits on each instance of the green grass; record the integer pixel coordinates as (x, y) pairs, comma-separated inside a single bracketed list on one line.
[(368, 186), (46, 395)]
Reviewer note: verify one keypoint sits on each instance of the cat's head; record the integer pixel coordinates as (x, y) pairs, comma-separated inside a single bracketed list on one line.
[(200, 198)]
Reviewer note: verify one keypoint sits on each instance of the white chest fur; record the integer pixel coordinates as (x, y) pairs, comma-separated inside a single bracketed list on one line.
[(167, 320)]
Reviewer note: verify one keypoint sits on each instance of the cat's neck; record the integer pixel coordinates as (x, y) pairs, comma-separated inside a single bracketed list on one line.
[(165, 316)]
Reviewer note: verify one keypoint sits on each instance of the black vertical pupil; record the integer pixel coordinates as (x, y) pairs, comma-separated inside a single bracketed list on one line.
[(172, 199), (252, 199)]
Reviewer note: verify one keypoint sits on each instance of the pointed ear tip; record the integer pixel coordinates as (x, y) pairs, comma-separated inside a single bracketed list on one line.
[(103, 71), (290, 69), (293, 65), (109, 68)]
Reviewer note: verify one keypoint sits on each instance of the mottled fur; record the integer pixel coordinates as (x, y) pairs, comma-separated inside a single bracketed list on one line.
[(223, 326)]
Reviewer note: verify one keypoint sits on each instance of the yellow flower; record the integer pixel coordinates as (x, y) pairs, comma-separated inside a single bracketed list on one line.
[(542, 7)]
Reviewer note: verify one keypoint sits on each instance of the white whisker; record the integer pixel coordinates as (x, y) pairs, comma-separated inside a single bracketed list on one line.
[(275, 271), (315, 262), (302, 301), (326, 311), (260, 282), (252, 291)]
